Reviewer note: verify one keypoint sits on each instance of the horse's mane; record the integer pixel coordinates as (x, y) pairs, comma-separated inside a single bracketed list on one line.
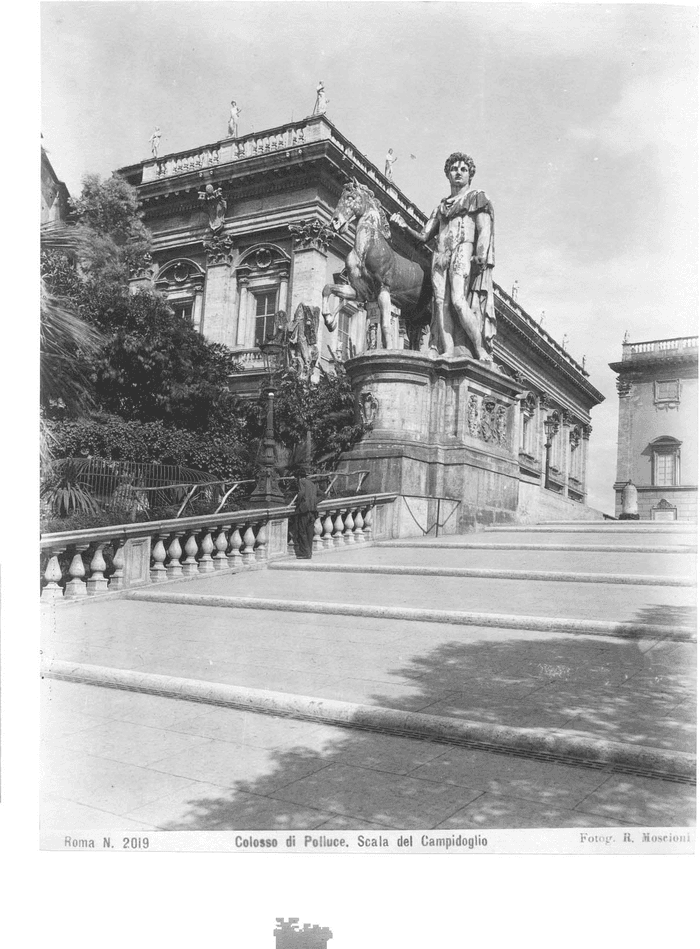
[(376, 205)]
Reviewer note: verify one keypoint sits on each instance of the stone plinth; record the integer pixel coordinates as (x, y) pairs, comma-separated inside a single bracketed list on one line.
[(442, 428)]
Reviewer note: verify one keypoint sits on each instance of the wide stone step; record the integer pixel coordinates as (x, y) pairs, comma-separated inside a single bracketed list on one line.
[(565, 600), (609, 535), (423, 553), (569, 745), (552, 576), (634, 690), (457, 542)]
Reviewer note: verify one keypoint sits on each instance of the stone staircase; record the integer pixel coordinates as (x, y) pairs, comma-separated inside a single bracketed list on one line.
[(567, 642)]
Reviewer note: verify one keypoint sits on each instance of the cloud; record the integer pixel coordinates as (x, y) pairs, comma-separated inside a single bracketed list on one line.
[(655, 112)]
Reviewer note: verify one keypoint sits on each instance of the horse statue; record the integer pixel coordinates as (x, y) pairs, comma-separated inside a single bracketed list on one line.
[(376, 273)]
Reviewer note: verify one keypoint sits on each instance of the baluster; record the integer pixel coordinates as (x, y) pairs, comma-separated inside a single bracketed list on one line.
[(98, 582), (221, 543), (328, 531), (174, 569), (206, 564), (234, 550), (359, 523), (369, 518), (76, 586), (189, 566), (261, 542), (338, 532), (318, 530), (53, 575), (348, 535), (117, 580), (158, 573), (249, 541)]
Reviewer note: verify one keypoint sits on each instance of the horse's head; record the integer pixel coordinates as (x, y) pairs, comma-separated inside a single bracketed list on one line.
[(354, 201), (357, 199)]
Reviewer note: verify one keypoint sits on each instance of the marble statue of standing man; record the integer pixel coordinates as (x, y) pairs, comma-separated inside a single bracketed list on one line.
[(462, 267), (233, 120), (155, 141), (388, 162), (321, 103)]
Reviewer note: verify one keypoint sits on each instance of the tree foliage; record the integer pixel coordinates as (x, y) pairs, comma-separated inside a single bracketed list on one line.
[(116, 439), (109, 222), (320, 417)]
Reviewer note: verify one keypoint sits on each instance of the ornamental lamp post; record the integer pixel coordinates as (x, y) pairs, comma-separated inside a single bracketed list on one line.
[(267, 490), (551, 427)]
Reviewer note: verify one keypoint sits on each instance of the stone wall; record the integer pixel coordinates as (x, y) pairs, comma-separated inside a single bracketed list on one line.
[(537, 504)]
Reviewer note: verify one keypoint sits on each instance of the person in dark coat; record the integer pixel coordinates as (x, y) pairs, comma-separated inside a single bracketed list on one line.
[(306, 505)]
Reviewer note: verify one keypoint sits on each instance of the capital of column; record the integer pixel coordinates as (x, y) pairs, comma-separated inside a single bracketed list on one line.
[(311, 234)]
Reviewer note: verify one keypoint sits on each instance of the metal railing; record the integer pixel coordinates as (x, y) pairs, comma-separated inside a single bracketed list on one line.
[(438, 524)]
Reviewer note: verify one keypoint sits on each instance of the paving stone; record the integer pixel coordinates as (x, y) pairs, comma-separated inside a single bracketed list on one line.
[(107, 785), (499, 811), (388, 799), (63, 816), (528, 779), (389, 753), (131, 744), (203, 806), (644, 801), (261, 731), (241, 767)]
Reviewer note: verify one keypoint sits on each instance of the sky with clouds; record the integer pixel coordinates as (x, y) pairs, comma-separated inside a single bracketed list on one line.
[(582, 120)]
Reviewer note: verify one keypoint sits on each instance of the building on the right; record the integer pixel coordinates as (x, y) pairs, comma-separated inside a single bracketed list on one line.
[(657, 442)]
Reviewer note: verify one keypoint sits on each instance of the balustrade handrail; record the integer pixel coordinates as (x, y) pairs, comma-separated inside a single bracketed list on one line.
[(200, 521)]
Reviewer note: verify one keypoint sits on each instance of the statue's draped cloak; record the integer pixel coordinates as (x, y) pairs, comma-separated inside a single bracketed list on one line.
[(480, 281)]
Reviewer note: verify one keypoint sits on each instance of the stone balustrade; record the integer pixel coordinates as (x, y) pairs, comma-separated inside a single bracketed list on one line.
[(659, 346), (159, 551), (314, 128), (250, 358)]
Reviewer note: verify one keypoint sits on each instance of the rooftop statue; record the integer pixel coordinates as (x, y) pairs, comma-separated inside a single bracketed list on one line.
[(233, 120), (388, 162), (321, 104), (462, 267), (154, 141), (376, 272)]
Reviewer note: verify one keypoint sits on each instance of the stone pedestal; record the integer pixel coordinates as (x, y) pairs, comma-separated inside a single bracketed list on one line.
[(442, 428)]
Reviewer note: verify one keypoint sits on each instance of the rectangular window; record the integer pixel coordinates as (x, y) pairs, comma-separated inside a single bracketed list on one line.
[(667, 391), (265, 309), (185, 310), (344, 341), (665, 468)]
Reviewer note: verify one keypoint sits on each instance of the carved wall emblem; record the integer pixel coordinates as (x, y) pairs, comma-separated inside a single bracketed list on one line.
[(213, 202), (488, 420), (218, 249), (473, 422), (501, 426), (369, 406), (142, 268)]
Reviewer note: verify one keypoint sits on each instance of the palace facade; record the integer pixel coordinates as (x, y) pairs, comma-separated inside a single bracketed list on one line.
[(239, 234), (657, 446)]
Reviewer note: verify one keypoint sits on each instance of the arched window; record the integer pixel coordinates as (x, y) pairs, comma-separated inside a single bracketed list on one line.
[(262, 274), (182, 281), (665, 461)]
